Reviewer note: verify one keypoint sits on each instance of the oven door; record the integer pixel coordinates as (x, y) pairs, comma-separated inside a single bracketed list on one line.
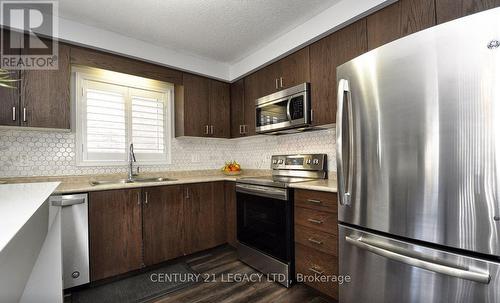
[(264, 220), (284, 113)]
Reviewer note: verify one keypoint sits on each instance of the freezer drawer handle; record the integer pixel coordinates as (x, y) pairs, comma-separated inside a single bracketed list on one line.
[(438, 268)]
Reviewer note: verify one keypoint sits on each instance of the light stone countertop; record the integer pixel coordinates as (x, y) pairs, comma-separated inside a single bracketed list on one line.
[(328, 185), (18, 203), (81, 184)]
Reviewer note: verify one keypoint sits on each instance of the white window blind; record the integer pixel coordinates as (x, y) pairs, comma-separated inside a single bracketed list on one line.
[(148, 119), (106, 133), (110, 116)]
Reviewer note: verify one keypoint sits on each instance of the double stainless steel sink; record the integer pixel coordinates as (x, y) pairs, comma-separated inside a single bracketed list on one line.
[(134, 180)]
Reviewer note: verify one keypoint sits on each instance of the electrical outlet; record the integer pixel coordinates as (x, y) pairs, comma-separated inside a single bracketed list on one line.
[(195, 158)]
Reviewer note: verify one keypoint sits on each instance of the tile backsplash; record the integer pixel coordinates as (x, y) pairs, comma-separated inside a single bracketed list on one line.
[(37, 153)]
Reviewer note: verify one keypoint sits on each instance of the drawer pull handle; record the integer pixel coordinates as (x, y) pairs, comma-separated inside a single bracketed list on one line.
[(314, 270), (312, 240), (314, 201), (315, 221)]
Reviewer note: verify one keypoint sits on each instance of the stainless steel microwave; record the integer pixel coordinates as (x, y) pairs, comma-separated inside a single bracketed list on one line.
[(286, 110)]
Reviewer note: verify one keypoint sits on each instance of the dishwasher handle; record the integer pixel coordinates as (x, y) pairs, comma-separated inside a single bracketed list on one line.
[(63, 202)]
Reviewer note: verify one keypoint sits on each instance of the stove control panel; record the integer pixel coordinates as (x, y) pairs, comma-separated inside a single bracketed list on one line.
[(301, 162)]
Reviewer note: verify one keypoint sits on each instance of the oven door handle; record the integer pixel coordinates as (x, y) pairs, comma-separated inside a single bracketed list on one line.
[(263, 191)]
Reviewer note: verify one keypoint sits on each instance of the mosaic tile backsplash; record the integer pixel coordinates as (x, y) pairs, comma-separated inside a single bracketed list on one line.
[(37, 153)]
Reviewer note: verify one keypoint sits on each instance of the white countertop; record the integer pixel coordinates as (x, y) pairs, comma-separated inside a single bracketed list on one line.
[(18, 203)]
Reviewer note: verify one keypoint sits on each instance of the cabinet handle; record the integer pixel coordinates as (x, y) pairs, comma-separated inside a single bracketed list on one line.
[(13, 113), (312, 240), (211, 129), (24, 114), (241, 127), (312, 115), (315, 221), (281, 82), (276, 82), (138, 198), (187, 193), (314, 201), (206, 129), (146, 198), (314, 270)]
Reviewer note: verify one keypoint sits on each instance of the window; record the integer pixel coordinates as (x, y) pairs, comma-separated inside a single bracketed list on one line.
[(114, 110)]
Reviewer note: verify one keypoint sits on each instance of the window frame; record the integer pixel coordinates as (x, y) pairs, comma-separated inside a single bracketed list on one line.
[(81, 74)]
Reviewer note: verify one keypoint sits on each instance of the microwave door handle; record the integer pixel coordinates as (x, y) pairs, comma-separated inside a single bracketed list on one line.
[(288, 111)]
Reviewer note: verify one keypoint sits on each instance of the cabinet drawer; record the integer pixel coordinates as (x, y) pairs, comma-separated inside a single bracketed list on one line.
[(322, 241), (311, 262), (324, 221), (319, 200)]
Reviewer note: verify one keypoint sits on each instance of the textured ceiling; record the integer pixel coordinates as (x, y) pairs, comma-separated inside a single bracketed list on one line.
[(225, 31)]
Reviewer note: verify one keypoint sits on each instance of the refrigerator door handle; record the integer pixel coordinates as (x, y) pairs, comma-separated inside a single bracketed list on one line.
[(428, 265), (344, 189)]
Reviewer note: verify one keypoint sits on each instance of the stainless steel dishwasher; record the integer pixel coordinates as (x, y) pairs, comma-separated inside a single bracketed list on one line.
[(75, 238)]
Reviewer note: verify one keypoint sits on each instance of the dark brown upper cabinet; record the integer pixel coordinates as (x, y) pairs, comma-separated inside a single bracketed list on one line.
[(219, 101), (42, 97), (192, 109), (45, 94), (447, 10), (93, 58), (398, 20), (242, 112), (202, 108), (293, 69), (326, 54)]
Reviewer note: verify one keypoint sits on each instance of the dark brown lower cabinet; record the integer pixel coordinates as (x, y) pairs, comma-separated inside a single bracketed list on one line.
[(133, 228), (162, 223), (115, 227), (230, 192), (204, 216)]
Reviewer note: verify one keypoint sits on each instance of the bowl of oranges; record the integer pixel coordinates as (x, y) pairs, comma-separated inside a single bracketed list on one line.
[(232, 168)]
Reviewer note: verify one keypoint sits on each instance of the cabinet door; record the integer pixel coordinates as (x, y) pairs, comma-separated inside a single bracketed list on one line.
[(230, 199), (398, 20), (447, 10), (326, 55), (163, 221), (237, 108), (45, 94), (9, 97), (251, 94), (196, 109), (219, 100), (204, 216), (115, 227), (294, 69)]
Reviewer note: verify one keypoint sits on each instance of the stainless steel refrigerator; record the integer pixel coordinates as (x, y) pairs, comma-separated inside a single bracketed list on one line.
[(418, 166)]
